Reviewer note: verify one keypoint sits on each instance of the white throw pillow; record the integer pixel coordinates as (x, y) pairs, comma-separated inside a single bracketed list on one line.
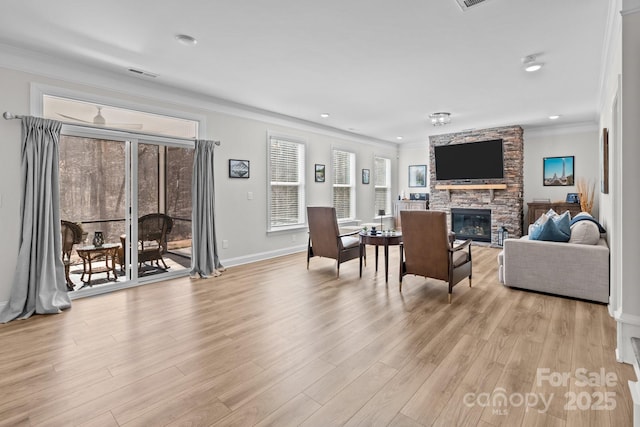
[(585, 233)]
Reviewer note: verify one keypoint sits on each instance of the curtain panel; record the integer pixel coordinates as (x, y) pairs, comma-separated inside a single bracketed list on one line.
[(204, 256), (39, 284)]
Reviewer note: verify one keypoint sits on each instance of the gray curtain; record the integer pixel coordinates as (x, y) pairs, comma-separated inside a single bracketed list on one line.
[(204, 255), (39, 284)]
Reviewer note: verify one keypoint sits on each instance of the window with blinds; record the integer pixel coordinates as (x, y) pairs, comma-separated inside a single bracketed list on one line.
[(286, 181), (383, 184), (344, 189)]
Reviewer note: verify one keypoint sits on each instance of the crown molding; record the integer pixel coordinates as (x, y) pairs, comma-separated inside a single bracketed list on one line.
[(560, 129), (59, 68), (613, 31), (630, 7)]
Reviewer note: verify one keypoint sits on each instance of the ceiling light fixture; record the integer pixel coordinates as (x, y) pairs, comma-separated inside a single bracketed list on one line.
[(440, 119), (530, 64), (186, 40), (399, 138), (554, 117), (324, 115)]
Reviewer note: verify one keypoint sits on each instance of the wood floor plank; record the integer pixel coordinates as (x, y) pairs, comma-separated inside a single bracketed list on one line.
[(272, 343), (425, 406), (344, 405), (386, 403), (259, 405), (292, 413)]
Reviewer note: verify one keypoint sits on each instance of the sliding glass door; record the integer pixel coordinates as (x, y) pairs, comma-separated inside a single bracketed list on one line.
[(136, 195)]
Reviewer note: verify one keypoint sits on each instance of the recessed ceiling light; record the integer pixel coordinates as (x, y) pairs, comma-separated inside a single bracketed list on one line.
[(530, 64), (399, 138), (186, 40), (324, 115), (554, 117)]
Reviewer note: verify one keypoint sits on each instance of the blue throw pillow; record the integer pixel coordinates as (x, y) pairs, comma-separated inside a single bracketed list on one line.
[(556, 228)]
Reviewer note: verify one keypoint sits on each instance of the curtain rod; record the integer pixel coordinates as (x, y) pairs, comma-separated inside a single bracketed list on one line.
[(10, 116)]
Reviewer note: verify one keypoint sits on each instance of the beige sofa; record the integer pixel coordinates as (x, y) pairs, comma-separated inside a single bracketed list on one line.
[(568, 269)]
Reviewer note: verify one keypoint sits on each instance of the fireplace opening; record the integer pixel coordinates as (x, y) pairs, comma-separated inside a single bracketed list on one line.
[(474, 224)]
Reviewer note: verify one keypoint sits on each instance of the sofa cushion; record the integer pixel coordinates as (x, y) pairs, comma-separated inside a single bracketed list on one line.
[(553, 228), (585, 216), (584, 233)]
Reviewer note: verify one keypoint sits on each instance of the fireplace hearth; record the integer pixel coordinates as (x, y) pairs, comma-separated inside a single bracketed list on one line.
[(474, 224)]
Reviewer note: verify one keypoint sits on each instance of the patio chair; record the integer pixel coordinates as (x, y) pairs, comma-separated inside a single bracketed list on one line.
[(152, 238), (71, 235)]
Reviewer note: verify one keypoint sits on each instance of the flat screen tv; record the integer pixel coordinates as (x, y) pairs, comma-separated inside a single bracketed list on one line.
[(473, 160)]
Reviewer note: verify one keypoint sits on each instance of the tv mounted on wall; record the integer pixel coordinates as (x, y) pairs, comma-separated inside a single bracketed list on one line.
[(473, 160)]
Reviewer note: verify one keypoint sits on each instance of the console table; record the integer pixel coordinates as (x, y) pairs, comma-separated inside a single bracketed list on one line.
[(536, 209)]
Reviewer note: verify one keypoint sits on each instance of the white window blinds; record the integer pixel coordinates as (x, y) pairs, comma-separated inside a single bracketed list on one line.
[(383, 184), (286, 178), (344, 198)]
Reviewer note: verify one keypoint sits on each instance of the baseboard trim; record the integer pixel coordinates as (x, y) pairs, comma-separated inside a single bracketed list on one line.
[(261, 256), (629, 319)]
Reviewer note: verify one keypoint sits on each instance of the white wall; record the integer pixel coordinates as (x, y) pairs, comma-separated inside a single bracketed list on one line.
[(412, 154), (243, 134), (579, 141), (628, 314)]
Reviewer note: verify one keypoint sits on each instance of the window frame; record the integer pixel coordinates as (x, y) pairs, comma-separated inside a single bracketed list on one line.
[(352, 185), (388, 185), (302, 190)]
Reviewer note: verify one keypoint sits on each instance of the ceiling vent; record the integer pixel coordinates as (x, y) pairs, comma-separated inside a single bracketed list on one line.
[(468, 4), (143, 73)]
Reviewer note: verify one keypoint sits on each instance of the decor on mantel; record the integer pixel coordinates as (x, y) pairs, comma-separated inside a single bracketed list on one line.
[(586, 192), (440, 119)]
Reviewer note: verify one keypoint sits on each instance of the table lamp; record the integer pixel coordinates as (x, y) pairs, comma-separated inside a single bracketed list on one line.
[(380, 214)]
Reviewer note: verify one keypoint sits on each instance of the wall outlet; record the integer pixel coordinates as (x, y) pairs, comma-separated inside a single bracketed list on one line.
[(225, 244), (250, 195), (293, 237)]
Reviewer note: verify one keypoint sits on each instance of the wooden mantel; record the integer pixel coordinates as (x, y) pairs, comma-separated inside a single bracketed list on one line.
[(490, 187)]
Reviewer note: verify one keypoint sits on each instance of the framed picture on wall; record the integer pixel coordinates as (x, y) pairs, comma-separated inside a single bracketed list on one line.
[(238, 168), (320, 171), (418, 176), (558, 171), (604, 172), (365, 176)]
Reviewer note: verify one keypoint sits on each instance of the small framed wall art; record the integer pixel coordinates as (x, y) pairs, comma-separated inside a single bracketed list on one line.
[(418, 176), (320, 172), (366, 174), (604, 173), (238, 168)]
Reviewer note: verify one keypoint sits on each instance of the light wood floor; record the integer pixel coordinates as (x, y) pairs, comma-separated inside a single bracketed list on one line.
[(274, 344)]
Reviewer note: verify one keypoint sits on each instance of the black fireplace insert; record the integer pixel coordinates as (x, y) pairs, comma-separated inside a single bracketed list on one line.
[(474, 224)]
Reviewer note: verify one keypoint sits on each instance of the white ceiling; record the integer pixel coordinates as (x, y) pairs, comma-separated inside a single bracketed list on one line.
[(379, 67)]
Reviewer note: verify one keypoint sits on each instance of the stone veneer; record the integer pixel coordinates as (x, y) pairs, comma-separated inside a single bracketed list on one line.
[(506, 206)]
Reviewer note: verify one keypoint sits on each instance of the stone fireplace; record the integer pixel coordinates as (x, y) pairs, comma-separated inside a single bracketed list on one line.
[(474, 224), (501, 197)]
